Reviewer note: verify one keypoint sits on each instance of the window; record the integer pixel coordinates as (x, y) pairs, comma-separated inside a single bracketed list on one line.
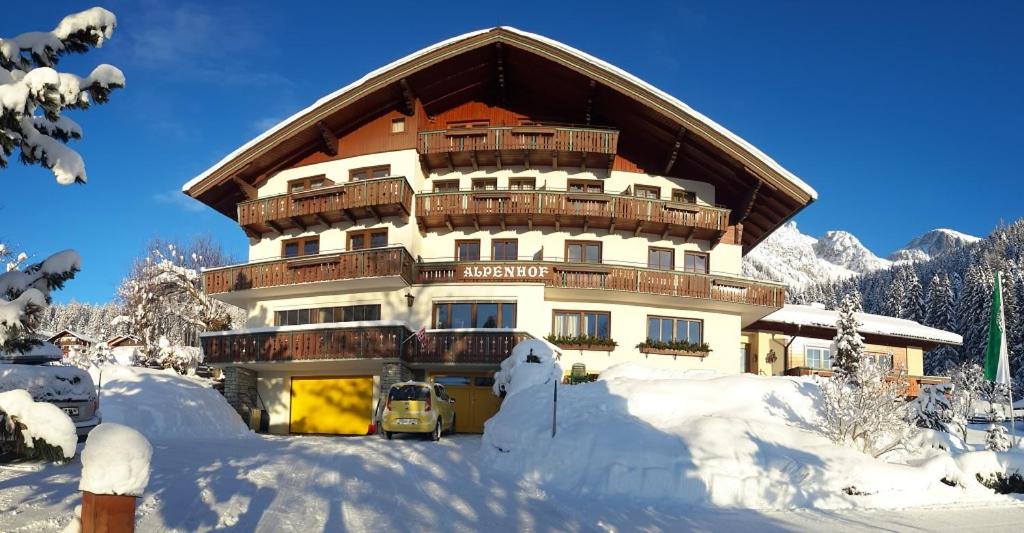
[(371, 238), (475, 315), (485, 184), (467, 250), (818, 357), (300, 247), (586, 186), (646, 191), (884, 360), (366, 173), (522, 184), (685, 197), (582, 251), (461, 124), (595, 324), (327, 315), (665, 329), (306, 184), (661, 258), (398, 125), (446, 186), (504, 250), (695, 262)]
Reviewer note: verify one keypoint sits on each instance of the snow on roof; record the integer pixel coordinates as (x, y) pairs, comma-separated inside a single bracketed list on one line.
[(85, 338), (685, 109), (41, 352), (808, 315)]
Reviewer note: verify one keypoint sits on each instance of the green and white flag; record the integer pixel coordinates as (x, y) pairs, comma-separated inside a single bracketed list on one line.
[(997, 360)]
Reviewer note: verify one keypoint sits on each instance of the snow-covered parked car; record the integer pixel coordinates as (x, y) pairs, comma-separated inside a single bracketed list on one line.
[(67, 387)]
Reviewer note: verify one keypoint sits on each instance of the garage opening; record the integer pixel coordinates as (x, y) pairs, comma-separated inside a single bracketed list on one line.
[(474, 401), (331, 405)]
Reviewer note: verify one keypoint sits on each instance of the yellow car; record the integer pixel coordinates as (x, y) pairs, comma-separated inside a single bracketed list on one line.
[(417, 407)]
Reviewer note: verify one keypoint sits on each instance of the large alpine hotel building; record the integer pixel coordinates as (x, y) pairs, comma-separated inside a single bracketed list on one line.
[(489, 188)]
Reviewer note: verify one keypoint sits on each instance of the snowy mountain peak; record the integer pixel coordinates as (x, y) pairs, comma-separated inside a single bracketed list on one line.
[(843, 249), (933, 244)]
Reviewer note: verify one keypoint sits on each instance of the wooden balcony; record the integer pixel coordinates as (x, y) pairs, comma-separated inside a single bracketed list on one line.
[(488, 348), (375, 198), (566, 209), (374, 263), (518, 146), (484, 348), (556, 275), (374, 342)]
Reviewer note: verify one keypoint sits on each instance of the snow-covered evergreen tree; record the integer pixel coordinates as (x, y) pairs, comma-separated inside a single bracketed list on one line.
[(913, 307), (849, 344), (894, 303), (973, 314), (940, 314), (33, 95), (24, 295)]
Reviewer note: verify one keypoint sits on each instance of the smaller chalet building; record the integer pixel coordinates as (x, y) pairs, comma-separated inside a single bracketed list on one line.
[(68, 340), (797, 341)]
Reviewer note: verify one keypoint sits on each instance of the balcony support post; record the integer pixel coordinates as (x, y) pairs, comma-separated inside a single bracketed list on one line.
[(611, 226)]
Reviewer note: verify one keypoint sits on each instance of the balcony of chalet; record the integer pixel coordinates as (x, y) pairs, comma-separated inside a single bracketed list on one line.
[(498, 146), (612, 212), (486, 348), (371, 198), (618, 283), (377, 268)]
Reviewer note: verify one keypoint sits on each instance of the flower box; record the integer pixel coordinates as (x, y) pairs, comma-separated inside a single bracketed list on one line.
[(590, 347), (668, 351)]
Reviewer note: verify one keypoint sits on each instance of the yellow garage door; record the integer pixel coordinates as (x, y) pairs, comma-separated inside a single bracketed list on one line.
[(334, 406), (474, 401)]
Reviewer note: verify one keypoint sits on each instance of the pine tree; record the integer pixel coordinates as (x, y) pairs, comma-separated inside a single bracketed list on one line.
[(913, 307), (849, 343), (940, 315), (896, 295), (973, 314), (35, 94)]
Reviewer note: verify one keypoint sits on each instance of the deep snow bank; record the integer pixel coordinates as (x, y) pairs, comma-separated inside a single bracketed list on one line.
[(702, 438), (163, 405)]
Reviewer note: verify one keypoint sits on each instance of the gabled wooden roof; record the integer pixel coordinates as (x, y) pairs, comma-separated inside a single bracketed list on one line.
[(659, 134)]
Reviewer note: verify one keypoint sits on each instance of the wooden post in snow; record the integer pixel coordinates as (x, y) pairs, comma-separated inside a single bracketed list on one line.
[(107, 513)]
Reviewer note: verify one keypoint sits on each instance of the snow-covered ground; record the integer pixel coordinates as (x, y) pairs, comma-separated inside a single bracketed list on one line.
[(202, 480)]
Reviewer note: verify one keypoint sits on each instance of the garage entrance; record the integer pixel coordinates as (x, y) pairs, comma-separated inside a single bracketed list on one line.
[(331, 405), (474, 401)]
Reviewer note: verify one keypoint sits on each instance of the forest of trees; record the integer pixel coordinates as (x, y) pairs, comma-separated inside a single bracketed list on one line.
[(951, 292)]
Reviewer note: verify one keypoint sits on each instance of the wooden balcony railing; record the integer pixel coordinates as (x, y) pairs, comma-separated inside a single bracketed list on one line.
[(374, 263), (469, 347), (560, 208), (376, 198), (371, 342), (608, 277), (509, 145), (488, 348)]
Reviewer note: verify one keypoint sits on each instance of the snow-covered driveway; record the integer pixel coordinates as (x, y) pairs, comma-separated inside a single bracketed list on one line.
[(362, 484)]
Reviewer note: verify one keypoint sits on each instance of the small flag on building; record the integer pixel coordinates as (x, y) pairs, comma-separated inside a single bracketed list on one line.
[(421, 336)]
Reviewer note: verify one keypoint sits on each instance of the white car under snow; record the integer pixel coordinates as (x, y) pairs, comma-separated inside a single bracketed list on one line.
[(67, 387)]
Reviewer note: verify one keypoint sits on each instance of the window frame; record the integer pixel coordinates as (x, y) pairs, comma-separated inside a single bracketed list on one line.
[(672, 257), (586, 185), (307, 183), (675, 327), (707, 262), (489, 184), (301, 242), (496, 242), (395, 122), (583, 244), (468, 124), (686, 196), (516, 184), (473, 312), (314, 314), (367, 234), (458, 250), (580, 312), (825, 353), (647, 189), (441, 186), (369, 170)]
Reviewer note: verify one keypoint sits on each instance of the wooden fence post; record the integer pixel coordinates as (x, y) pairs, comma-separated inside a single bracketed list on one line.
[(107, 513)]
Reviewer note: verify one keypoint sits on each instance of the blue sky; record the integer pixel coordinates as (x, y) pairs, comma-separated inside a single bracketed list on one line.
[(904, 117)]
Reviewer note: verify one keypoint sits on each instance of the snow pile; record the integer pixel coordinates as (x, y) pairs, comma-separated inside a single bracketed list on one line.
[(701, 438), (115, 461), (164, 405), (518, 373), (42, 420), (48, 383)]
